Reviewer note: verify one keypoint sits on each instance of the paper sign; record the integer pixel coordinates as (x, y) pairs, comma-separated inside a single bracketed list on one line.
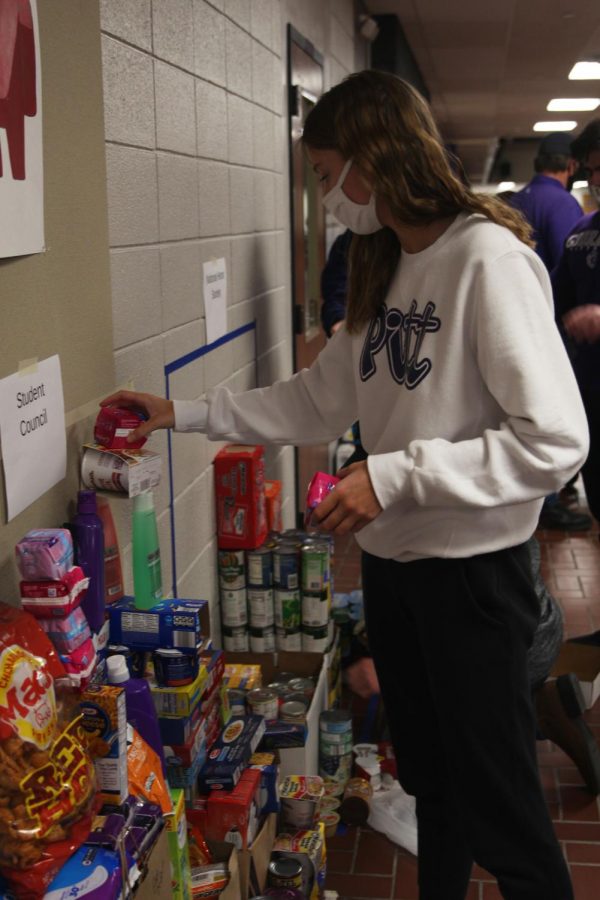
[(32, 427), (215, 299)]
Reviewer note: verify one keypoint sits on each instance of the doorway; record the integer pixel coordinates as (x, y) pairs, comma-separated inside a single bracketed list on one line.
[(305, 86)]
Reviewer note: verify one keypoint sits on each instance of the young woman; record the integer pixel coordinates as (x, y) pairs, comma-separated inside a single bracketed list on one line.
[(470, 414)]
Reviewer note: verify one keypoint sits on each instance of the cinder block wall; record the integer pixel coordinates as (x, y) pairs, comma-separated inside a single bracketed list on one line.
[(197, 168)]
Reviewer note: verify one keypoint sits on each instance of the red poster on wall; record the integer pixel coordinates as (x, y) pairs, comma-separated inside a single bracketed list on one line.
[(21, 157)]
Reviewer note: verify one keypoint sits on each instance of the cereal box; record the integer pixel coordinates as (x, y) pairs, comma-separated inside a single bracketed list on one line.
[(176, 824), (105, 719)]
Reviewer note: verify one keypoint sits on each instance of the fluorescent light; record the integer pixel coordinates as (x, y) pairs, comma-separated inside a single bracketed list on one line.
[(585, 70), (506, 186), (568, 104), (554, 126)]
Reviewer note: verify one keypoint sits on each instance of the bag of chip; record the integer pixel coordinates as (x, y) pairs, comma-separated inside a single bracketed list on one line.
[(47, 783)]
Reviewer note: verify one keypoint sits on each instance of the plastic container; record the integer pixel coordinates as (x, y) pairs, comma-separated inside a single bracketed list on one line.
[(138, 700), (113, 573), (147, 575), (89, 554)]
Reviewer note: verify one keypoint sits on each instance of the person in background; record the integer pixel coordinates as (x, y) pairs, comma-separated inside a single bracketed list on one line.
[(552, 212), (576, 287), (334, 284), (470, 413)]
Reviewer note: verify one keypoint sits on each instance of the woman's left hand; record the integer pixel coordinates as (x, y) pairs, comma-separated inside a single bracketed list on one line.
[(351, 505)]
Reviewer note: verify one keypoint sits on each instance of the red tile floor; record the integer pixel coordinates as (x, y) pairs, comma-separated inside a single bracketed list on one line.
[(362, 863)]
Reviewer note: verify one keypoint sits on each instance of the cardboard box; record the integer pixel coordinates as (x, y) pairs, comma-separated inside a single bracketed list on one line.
[(302, 760), (157, 879), (105, 719), (236, 811), (222, 851), (240, 496), (176, 827), (584, 661), (170, 625), (129, 472), (178, 702), (254, 862)]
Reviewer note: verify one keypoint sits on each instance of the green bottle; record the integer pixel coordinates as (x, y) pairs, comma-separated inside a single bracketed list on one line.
[(147, 577)]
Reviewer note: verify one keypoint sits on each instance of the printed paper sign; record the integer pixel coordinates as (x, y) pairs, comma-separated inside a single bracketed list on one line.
[(32, 427), (215, 299)]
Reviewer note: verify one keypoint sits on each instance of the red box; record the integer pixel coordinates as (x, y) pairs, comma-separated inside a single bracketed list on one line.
[(231, 811), (240, 495), (273, 504)]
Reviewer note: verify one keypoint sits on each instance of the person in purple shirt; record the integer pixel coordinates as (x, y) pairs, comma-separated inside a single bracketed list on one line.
[(552, 212), (545, 201), (576, 286)]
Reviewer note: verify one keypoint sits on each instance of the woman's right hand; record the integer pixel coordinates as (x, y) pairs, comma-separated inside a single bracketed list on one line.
[(159, 411)]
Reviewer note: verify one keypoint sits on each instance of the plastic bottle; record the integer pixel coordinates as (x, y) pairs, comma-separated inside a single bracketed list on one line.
[(138, 701), (147, 577), (89, 554), (113, 573)]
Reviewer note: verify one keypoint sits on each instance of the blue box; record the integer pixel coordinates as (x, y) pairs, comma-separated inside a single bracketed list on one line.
[(170, 624)]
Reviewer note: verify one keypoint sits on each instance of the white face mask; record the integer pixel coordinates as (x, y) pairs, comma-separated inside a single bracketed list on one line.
[(595, 193), (361, 218)]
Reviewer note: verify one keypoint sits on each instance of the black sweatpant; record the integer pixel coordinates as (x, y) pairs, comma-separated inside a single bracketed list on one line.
[(590, 471), (449, 639)]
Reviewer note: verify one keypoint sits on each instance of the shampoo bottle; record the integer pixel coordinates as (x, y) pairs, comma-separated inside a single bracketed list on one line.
[(147, 577), (113, 574), (89, 554), (138, 701)]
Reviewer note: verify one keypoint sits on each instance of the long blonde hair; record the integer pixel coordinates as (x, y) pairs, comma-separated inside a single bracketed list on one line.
[(386, 127)]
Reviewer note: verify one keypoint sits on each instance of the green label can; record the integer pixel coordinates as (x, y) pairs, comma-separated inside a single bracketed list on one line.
[(288, 609)]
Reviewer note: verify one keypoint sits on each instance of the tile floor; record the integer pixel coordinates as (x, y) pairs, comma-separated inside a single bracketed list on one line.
[(362, 863)]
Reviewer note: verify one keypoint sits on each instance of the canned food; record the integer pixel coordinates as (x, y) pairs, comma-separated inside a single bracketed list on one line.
[(329, 802), (315, 640), (304, 686), (234, 608), (259, 567), (285, 872), (286, 567), (335, 721), (237, 702), (293, 711), (235, 640), (330, 820), (261, 610), (356, 804), (315, 609), (288, 639), (262, 640), (232, 570), (288, 609), (135, 659), (172, 668), (315, 566), (264, 702)]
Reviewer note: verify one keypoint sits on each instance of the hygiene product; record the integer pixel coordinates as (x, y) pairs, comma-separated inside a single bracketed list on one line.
[(147, 577), (138, 700), (113, 574), (89, 554)]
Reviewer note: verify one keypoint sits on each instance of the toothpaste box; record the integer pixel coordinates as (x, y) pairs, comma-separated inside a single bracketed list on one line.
[(169, 625), (240, 495), (230, 753), (178, 701), (105, 720), (129, 472), (268, 792), (176, 825)]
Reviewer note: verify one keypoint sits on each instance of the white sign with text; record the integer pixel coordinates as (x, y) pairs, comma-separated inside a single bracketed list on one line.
[(215, 299), (32, 427)]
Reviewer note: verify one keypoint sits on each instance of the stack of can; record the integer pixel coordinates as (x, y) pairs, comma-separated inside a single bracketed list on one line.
[(335, 745), (278, 596)]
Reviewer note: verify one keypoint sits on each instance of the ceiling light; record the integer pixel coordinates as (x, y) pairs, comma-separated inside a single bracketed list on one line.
[(585, 70), (570, 104), (506, 186), (554, 126), (580, 184)]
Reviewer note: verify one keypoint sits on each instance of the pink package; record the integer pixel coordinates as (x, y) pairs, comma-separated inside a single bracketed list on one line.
[(68, 633), (45, 554), (321, 484), (45, 599)]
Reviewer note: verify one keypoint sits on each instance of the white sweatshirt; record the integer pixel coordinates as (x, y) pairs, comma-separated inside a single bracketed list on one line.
[(466, 399)]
